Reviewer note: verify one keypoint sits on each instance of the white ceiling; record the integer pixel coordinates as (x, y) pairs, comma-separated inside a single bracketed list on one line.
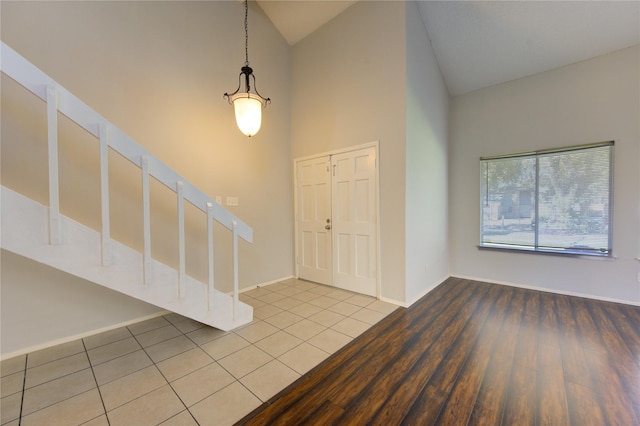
[(482, 43)]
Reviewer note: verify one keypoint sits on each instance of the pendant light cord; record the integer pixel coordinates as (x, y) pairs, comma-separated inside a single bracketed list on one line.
[(246, 33)]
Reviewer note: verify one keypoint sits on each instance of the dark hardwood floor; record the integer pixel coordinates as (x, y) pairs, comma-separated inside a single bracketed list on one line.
[(477, 353)]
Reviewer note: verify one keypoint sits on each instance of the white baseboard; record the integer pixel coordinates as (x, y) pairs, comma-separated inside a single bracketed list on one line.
[(265, 284), (80, 336)]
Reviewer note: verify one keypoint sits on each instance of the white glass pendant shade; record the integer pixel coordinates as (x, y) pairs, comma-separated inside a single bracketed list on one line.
[(248, 108)]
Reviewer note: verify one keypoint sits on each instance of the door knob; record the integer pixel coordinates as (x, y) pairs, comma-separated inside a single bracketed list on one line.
[(327, 227)]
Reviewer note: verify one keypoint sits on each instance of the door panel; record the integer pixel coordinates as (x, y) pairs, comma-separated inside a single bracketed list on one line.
[(313, 210), (354, 220)]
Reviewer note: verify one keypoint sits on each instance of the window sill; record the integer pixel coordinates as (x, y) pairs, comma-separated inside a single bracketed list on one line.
[(573, 253)]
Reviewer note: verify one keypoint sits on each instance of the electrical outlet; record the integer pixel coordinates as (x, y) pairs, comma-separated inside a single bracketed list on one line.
[(232, 201)]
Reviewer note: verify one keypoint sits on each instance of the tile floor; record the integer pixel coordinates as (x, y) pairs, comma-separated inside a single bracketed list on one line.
[(172, 370)]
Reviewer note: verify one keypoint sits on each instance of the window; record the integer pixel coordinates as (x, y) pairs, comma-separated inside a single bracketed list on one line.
[(555, 201)]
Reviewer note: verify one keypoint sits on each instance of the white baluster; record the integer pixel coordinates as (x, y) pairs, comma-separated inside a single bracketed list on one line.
[(182, 274), (210, 288), (55, 225), (146, 217), (104, 195), (234, 228)]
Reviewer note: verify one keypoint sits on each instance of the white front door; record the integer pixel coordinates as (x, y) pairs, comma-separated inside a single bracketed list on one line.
[(354, 220), (313, 189), (336, 214)]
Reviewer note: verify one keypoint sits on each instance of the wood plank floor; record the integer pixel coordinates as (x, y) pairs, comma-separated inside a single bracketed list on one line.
[(477, 353)]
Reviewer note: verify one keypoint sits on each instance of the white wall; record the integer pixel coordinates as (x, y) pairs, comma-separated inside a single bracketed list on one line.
[(591, 101), (427, 249), (157, 70), (349, 89)]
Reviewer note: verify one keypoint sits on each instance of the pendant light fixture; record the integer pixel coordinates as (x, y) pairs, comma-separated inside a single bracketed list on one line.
[(247, 104)]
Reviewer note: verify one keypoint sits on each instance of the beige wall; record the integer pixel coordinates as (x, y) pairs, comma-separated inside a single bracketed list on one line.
[(349, 89), (427, 248), (157, 70), (591, 101)]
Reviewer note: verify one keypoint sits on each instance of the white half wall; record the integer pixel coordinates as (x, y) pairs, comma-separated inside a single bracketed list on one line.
[(591, 101)]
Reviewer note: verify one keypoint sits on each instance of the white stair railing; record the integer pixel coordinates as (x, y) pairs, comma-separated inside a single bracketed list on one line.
[(58, 99)]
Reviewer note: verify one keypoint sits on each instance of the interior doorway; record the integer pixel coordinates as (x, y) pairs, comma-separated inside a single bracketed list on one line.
[(336, 203)]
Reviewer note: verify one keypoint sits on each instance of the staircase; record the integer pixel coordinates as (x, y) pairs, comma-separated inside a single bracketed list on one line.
[(41, 233)]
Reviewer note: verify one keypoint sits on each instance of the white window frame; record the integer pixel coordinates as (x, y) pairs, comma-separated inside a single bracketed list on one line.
[(535, 247)]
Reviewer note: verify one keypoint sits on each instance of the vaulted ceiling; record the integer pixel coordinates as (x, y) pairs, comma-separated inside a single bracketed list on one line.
[(482, 43)]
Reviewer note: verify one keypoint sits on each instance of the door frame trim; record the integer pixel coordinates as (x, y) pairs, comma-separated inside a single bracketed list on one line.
[(374, 144)]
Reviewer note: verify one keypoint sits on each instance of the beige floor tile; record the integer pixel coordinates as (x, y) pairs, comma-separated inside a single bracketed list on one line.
[(174, 318), (303, 358), (169, 348), (255, 303), (148, 325), (113, 350), (54, 353), (278, 343), (266, 311), (121, 366), (13, 365), (384, 307), (128, 388), (351, 327), (183, 364), (107, 337), (287, 303), (55, 369), (224, 346), (150, 409), (360, 300), (11, 384), (305, 310), (257, 292), (305, 329), (255, 331), (181, 419), (305, 285), (304, 296), (369, 316), (339, 294), (326, 318), (72, 411), (271, 297), (58, 390), (322, 290), (98, 421), (202, 383), (189, 325), (279, 287), (291, 290), (269, 379), (246, 360), (206, 334), (323, 302), (10, 408), (344, 308), (329, 340), (158, 335), (283, 319), (226, 406)]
